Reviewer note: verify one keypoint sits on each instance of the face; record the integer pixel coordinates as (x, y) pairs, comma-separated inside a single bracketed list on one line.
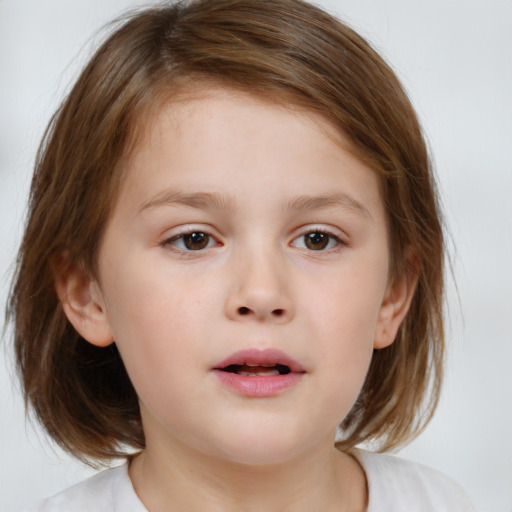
[(244, 277)]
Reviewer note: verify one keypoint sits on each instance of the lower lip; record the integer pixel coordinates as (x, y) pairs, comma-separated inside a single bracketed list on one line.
[(258, 387)]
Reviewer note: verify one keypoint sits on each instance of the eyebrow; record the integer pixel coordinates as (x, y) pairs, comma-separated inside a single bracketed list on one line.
[(328, 201), (206, 200), (202, 200)]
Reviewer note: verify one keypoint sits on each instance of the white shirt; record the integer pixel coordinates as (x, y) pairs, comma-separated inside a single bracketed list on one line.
[(394, 485)]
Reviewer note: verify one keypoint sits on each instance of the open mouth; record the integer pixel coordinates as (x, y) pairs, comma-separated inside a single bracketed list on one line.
[(259, 363), (257, 370), (257, 373)]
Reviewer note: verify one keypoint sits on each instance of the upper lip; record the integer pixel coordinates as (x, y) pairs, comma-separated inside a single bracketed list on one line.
[(256, 357)]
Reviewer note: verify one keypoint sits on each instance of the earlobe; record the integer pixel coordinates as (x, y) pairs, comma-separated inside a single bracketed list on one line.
[(82, 301), (394, 307)]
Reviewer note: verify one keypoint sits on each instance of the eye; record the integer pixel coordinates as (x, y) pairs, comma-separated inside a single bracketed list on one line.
[(317, 241), (193, 241)]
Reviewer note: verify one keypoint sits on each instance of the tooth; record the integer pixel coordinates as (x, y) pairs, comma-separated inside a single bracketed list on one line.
[(262, 365), (267, 373)]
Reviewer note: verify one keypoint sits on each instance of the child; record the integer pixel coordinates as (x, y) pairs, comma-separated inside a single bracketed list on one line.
[(234, 257)]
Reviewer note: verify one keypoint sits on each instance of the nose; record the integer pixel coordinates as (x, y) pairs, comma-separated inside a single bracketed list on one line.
[(260, 290)]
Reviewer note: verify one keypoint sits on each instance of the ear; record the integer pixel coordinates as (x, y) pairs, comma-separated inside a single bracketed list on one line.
[(82, 301), (395, 304)]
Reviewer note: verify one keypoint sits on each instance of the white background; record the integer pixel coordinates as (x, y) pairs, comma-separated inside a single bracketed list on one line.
[(455, 58)]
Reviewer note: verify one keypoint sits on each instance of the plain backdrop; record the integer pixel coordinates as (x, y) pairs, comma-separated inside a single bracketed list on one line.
[(455, 59)]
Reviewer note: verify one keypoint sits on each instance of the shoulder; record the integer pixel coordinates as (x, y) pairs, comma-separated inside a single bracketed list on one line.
[(108, 491), (398, 485)]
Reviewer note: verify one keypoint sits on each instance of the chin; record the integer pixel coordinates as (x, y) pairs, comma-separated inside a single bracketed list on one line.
[(262, 445)]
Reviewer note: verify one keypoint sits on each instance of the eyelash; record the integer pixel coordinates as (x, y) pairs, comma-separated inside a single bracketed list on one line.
[(339, 243), (331, 237), (170, 242)]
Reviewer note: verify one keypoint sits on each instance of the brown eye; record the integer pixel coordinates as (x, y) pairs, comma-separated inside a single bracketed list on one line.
[(316, 241), (196, 241), (193, 241)]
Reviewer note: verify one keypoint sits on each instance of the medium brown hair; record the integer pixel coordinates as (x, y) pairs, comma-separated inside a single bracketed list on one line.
[(288, 51)]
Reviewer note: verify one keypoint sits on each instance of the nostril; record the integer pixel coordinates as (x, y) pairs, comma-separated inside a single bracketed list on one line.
[(244, 311)]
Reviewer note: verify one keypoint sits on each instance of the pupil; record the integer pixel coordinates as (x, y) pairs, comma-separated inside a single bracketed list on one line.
[(317, 241), (196, 241)]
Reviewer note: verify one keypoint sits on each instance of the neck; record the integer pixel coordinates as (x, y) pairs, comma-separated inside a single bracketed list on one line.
[(181, 479)]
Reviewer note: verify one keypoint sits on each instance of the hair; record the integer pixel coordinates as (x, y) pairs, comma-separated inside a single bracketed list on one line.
[(287, 51)]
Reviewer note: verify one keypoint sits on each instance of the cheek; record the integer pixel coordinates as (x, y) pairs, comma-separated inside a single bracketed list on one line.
[(150, 296), (347, 306), (159, 324), (345, 318)]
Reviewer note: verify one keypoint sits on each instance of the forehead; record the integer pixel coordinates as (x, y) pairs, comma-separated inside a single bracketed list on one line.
[(215, 138), (211, 97)]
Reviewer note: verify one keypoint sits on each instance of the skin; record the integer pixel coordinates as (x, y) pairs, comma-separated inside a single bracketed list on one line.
[(175, 313)]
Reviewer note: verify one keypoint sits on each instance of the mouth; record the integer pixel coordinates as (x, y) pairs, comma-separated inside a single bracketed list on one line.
[(255, 370), (266, 362), (259, 373)]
